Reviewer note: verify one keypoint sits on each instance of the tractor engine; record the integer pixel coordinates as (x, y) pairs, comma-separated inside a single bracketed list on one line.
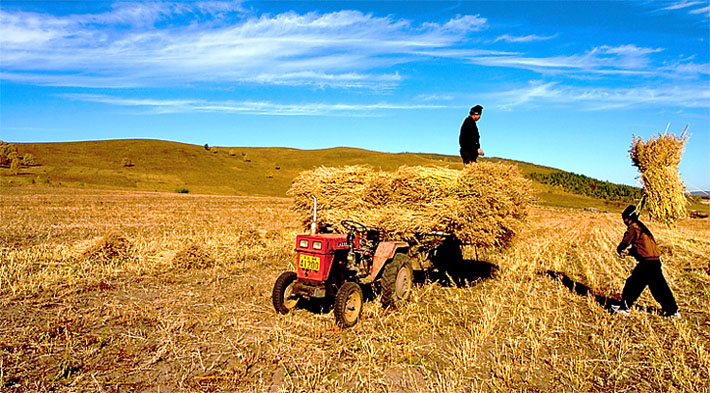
[(359, 259)]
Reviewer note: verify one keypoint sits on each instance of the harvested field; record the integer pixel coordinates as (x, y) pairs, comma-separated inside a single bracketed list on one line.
[(146, 319)]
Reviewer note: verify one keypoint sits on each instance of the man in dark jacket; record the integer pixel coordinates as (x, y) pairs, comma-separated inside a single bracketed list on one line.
[(469, 139), (648, 270)]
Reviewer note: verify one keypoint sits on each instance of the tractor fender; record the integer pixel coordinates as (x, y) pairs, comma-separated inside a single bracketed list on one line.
[(384, 252)]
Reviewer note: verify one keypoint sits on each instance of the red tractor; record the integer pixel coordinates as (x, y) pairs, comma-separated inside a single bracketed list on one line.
[(334, 268)]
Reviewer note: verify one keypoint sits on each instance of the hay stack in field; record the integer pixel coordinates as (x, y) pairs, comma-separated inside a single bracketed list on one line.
[(112, 246), (483, 205), (193, 256), (658, 160)]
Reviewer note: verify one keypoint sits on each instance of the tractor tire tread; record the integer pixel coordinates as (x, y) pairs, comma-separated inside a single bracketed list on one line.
[(277, 295), (341, 300), (389, 279)]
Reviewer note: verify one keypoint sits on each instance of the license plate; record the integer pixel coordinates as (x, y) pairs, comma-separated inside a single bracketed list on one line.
[(309, 262)]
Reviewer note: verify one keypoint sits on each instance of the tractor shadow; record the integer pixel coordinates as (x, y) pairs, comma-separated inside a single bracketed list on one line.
[(459, 273), (583, 290), (451, 269)]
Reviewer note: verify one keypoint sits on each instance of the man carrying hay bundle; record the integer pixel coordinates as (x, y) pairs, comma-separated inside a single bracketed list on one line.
[(470, 139), (648, 270)]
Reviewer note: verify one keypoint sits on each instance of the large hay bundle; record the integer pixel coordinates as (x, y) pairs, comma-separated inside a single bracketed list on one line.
[(658, 160), (482, 205)]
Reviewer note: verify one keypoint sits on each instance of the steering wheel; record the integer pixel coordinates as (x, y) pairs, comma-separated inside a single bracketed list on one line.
[(354, 226)]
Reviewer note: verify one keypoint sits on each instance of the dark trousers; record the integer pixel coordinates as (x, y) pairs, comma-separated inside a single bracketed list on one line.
[(649, 273), (469, 156)]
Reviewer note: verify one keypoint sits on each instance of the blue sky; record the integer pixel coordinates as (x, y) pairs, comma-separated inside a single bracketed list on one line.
[(563, 84)]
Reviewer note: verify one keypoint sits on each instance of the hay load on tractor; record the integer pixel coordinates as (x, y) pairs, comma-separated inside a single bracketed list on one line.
[(373, 229), (482, 205)]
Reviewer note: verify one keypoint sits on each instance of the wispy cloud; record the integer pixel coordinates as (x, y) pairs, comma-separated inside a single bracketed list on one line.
[(169, 44), (343, 49), (602, 60), (544, 94), (682, 4), (525, 38), (704, 10), (250, 107), (692, 7)]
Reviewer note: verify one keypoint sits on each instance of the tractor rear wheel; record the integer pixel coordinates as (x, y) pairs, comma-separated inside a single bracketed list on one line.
[(348, 304), (282, 296), (397, 279)]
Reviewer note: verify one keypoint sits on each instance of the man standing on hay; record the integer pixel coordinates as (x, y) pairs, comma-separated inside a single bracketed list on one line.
[(648, 270), (469, 139)]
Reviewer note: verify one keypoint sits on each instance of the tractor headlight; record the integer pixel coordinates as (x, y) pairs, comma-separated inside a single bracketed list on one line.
[(317, 245), (303, 243)]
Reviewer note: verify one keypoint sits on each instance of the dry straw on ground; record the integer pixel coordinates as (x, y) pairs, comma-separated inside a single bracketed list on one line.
[(193, 256), (112, 246), (658, 160), (483, 205)]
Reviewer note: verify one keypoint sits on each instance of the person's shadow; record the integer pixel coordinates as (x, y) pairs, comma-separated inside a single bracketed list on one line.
[(583, 290)]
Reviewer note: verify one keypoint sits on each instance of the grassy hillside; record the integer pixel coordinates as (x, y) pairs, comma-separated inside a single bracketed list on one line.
[(165, 166), (168, 166)]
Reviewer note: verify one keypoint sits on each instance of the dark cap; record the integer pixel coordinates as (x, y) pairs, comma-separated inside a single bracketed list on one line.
[(630, 213), (476, 110)]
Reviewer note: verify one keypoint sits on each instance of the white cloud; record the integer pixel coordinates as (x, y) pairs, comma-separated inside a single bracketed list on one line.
[(163, 106), (526, 38), (704, 10), (465, 23), (601, 60), (691, 7), (335, 49), (539, 94), (682, 4), (187, 43)]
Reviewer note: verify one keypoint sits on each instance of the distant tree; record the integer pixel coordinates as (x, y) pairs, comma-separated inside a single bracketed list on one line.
[(15, 166), (8, 152), (207, 147), (28, 159)]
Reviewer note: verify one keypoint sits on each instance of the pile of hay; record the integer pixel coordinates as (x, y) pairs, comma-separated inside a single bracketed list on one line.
[(483, 205), (193, 256), (112, 246), (657, 159)]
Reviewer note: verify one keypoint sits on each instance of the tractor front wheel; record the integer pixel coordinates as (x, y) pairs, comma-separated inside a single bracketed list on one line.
[(397, 279), (348, 304), (282, 296)]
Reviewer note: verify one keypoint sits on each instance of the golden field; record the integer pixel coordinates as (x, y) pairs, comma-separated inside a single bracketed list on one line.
[(116, 291)]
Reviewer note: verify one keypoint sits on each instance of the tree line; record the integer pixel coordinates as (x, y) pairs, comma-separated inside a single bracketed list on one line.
[(10, 158), (584, 185)]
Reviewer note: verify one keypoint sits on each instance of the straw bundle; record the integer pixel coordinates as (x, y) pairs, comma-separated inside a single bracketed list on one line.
[(112, 246), (657, 160), (482, 205), (193, 256)]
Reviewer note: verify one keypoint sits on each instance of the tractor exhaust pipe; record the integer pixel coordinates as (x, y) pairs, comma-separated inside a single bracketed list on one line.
[(315, 215)]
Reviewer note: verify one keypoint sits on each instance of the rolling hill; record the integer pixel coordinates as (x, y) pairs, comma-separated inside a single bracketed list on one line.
[(164, 166)]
